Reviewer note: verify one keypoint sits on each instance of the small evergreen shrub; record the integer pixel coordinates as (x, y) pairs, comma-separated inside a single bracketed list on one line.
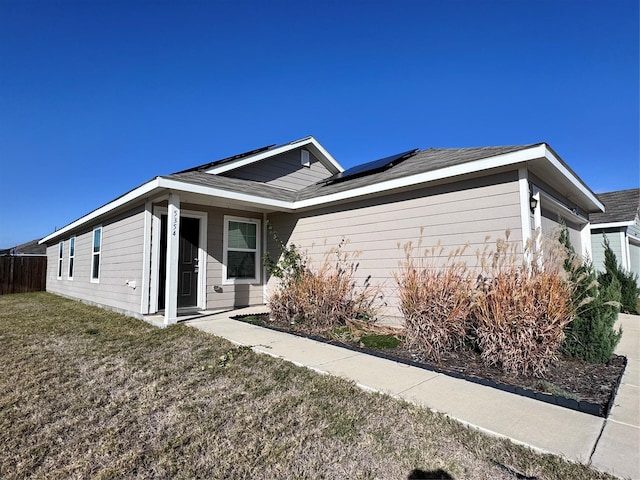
[(628, 281), (591, 335), (436, 301)]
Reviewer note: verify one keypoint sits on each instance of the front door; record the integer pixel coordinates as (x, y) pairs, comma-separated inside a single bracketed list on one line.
[(188, 254)]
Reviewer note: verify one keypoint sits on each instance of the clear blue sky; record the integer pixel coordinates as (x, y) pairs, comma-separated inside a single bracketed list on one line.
[(97, 97)]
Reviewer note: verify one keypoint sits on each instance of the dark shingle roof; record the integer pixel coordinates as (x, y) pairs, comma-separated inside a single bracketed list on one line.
[(28, 248), (423, 161), (236, 185), (620, 206)]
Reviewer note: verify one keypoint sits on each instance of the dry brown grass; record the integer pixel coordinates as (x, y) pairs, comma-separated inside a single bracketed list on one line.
[(321, 297), (521, 308), (435, 299), (86, 393)]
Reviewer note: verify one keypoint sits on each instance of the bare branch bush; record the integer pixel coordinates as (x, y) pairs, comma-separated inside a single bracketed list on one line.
[(324, 297)]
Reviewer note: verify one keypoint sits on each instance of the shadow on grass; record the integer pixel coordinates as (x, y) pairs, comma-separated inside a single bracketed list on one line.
[(431, 474)]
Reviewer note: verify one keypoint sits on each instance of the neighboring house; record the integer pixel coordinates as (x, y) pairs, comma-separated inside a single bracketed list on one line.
[(194, 239), (620, 222), (31, 249)]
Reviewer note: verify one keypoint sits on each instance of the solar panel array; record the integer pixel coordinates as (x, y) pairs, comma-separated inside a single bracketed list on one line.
[(369, 168)]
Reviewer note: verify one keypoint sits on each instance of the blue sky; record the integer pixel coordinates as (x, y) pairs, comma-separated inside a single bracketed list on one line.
[(98, 97)]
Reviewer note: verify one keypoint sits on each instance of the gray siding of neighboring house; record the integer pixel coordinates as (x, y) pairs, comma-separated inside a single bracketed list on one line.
[(284, 171), (452, 215), (597, 245), (120, 261), (634, 257), (219, 295), (634, 248)]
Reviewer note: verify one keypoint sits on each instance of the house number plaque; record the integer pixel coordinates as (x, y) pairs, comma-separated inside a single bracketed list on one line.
[(174, 223)]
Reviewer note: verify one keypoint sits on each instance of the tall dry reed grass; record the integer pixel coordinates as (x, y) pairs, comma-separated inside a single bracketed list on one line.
[(435, 299)]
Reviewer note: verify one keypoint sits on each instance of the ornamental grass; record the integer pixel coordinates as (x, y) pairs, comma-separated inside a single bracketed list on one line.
[(435, 300)]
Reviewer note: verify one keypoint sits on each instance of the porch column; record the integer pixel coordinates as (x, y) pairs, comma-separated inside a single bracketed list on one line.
[(173, 243)]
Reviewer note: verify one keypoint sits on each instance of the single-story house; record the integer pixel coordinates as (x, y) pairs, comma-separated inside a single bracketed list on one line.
[(32, 248), (194, 239), (621, 225)]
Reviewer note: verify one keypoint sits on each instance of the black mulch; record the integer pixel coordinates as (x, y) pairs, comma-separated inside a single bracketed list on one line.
[(576, 384)]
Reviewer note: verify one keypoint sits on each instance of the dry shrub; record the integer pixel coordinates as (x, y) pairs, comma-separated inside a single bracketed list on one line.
[(521, 307), (436, 300), (319, 299)]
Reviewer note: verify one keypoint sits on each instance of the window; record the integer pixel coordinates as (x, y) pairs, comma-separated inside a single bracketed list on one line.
[(241, 247), (95, 254), (72, 254), (60, 250)]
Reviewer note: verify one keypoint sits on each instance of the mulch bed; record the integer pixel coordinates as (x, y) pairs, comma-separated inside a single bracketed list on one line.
[(568, 382)]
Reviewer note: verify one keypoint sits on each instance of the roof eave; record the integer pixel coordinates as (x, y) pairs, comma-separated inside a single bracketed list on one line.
[(612, 224), (555, 160), (133, 195)]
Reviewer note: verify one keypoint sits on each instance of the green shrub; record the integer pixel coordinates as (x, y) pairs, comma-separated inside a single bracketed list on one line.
[(628, 281), (591, 335), (319, 299), (379, 341), (435, 300)]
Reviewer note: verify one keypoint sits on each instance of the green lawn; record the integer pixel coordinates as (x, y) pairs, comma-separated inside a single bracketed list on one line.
[(86, 393)]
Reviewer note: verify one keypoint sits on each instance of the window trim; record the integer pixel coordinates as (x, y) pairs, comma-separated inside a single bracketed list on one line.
[(60, 257), (72, 256), (225, 251), (94, 254)]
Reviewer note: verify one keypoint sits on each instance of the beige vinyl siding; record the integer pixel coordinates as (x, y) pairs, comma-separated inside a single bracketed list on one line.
[(456, 215), (284, 171), (120, 261), (220, 296)]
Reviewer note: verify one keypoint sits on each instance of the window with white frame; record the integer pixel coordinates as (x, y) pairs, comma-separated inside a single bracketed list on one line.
[(60, 251), (241, 250), (95, 254), (72, 255)]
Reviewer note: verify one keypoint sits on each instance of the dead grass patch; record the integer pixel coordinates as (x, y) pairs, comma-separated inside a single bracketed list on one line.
[(87, 393)]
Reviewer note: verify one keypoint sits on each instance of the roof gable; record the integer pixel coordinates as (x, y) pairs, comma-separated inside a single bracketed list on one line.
[(260, 154)]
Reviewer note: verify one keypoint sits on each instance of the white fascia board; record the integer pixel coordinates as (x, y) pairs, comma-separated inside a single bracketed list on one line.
[(611, 225), (220, 193), (134, 194), (276, 151), (572, 178), (512, 158), (633, 239)]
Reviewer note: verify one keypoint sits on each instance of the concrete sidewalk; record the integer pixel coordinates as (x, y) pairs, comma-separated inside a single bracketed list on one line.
[(610, 445)]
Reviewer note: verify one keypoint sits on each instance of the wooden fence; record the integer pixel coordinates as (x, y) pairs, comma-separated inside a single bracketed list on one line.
[(22, 274)]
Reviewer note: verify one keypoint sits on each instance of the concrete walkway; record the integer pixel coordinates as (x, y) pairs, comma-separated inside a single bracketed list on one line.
[(610, 445)]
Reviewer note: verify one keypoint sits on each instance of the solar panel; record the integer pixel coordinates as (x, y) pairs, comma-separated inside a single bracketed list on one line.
[(228, 159), (369, 167)]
